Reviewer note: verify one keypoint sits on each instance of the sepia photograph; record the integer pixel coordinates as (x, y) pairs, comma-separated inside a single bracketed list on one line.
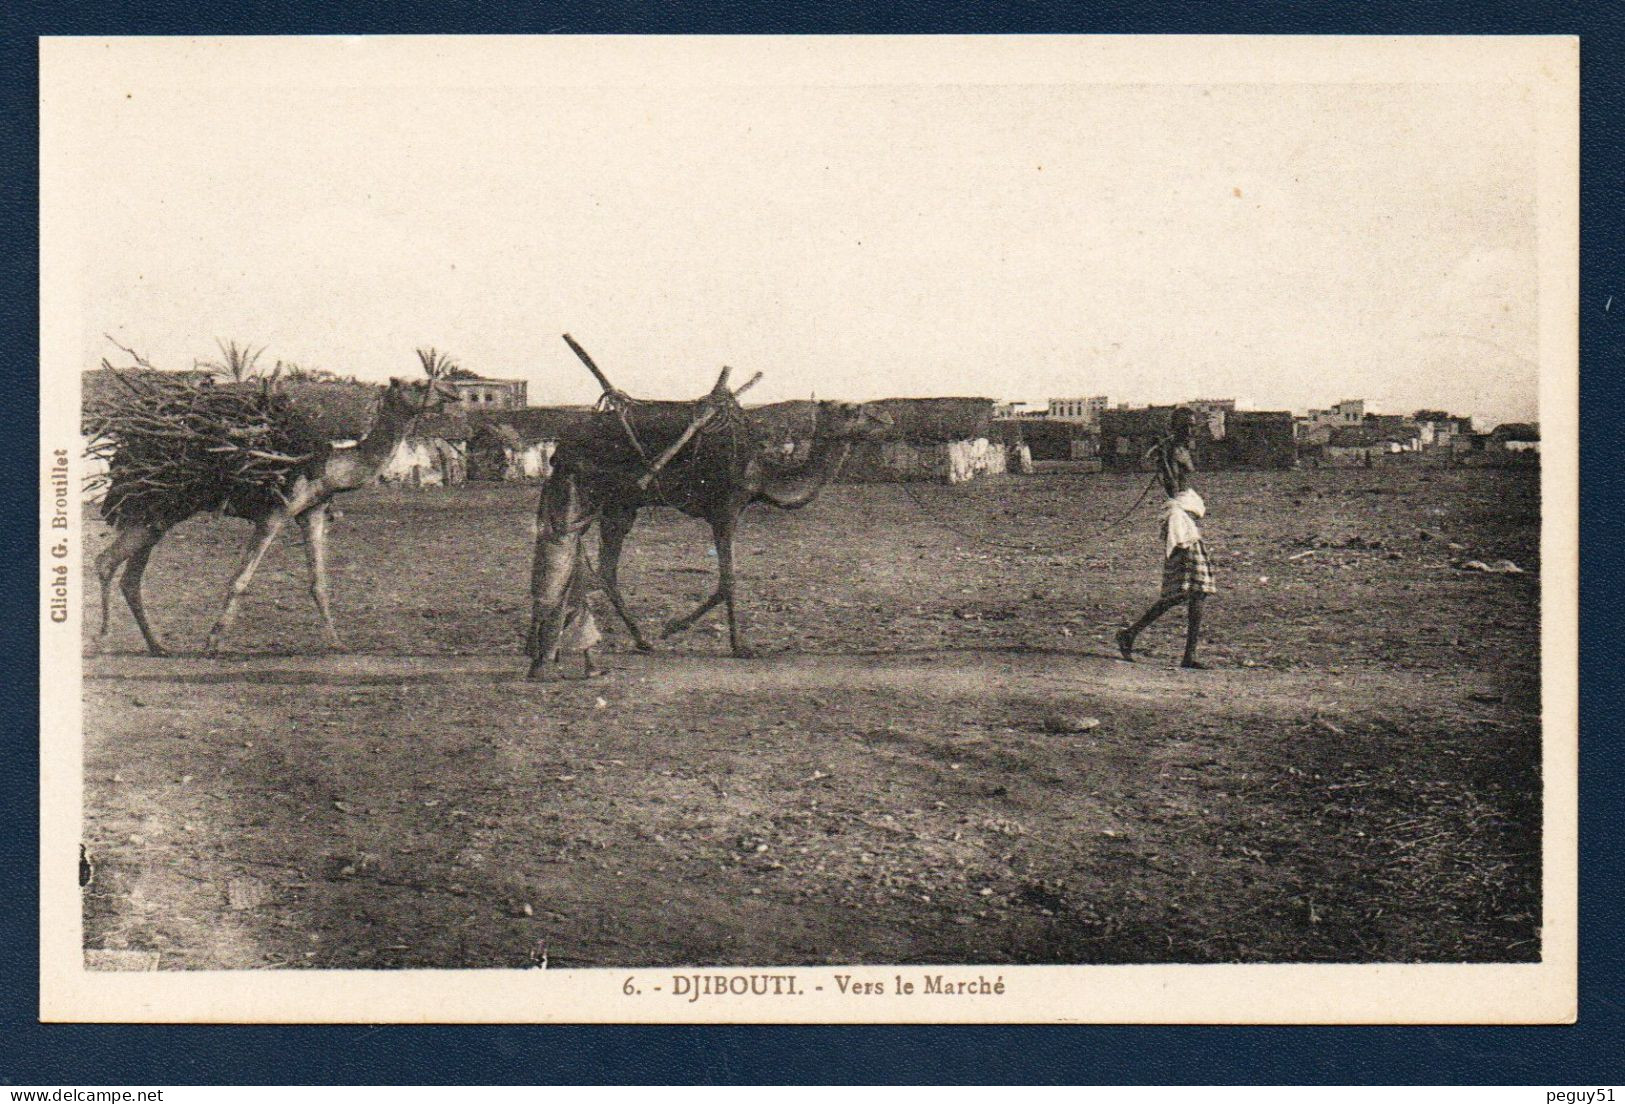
[(809, 529)]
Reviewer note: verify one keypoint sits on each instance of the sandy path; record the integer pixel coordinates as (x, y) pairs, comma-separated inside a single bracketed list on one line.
[(1234, 691)]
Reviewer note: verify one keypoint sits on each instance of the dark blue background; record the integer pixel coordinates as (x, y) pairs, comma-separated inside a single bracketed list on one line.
[(1584, 1054)]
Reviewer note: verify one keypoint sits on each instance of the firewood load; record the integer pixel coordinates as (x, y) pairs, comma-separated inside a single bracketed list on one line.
[(175, 447)]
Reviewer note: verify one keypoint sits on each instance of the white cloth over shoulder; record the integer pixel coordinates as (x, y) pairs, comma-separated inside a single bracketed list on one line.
[(1180, 514)]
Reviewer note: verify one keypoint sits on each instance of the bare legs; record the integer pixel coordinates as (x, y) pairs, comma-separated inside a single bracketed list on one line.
[(1193, 626), (1193, 631), (131, 547)]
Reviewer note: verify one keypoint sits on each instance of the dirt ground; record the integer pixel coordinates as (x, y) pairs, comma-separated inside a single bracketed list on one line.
[(937, 758)]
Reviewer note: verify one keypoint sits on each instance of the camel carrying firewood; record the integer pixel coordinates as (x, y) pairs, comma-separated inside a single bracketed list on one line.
[(176, 448), (705, 458)]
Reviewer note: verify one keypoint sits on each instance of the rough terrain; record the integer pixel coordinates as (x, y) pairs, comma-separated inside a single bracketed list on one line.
[(938, 757)]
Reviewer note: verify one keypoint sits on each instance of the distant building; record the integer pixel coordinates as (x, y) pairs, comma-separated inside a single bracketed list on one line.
[(1014, 409), (1356, 444), (944, 440), (1397, 429), (1310, 438), (1048, 439), (1516, 437), (1439, 429), (1085, 410), (1386, 423), (1250, 438), (1364, 444), (434, 454), (1215, 412), (452, 447), (1256, 439), (477, 393), (518, 445), (1126, 436), (1349, 412)]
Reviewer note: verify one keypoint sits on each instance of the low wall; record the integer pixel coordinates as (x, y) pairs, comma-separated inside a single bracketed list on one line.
[(426, 462), (530, 464), (900, 462), (1433, 458)]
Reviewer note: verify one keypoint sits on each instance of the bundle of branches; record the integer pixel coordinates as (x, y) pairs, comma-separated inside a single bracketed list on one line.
[(178, 446)]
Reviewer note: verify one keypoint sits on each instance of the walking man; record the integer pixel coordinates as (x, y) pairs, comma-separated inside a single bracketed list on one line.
[(561, 528), (1187, 576)]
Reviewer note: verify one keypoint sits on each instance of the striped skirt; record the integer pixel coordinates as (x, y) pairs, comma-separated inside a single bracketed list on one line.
[(1187, 571)]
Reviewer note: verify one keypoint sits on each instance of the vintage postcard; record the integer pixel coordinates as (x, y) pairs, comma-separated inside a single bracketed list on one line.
[(840, 530)]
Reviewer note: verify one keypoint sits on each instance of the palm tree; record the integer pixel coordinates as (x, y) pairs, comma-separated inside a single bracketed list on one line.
[(237, 362), (437, 365)]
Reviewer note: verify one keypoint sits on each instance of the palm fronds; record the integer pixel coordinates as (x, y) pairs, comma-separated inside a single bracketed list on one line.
[(237, 363), (436, 364)]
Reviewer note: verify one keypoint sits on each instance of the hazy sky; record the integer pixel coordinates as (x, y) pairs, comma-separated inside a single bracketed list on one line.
[(1286, 245)]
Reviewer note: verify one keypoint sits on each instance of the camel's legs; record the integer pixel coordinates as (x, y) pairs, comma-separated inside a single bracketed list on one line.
[(304, 497), (722, 531), (560, 523), (613, 529), (264, 533), (107, 564), (131, 586), (125, 542), (619, 604), (682, 624), (131, 547), (314, 522)]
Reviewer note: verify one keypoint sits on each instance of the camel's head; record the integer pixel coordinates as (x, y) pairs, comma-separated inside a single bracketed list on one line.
[(852, 421), (415, 397)]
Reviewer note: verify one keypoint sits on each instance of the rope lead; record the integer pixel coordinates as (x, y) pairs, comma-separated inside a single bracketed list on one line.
[(1030, 548)]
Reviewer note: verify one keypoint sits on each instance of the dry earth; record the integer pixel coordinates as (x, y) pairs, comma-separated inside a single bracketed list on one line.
[(1356, 780)]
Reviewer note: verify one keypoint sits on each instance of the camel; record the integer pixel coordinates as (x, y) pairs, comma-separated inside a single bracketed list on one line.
[(601, 473), (328, 472)]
